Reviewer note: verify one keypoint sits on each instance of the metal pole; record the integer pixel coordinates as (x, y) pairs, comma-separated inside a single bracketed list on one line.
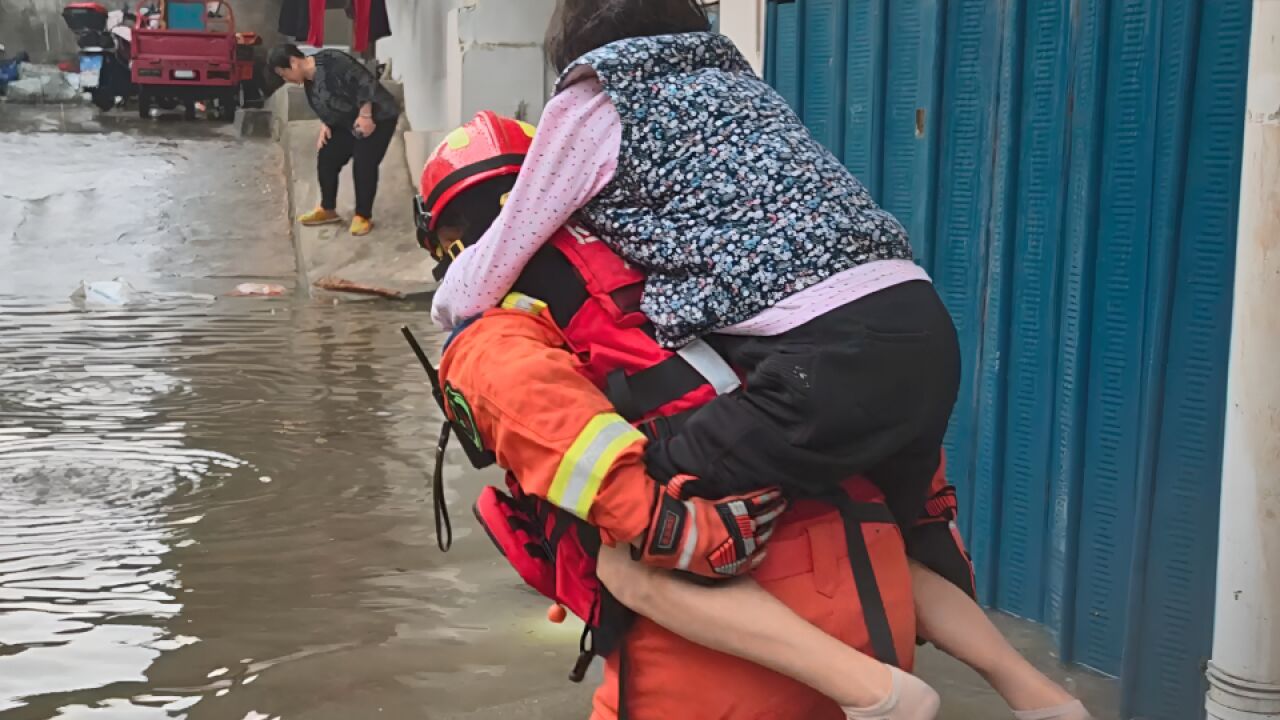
[(1244, 674)]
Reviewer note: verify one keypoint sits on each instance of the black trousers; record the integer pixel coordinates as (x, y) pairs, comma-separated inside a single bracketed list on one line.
[(367, 154), (865, 389)]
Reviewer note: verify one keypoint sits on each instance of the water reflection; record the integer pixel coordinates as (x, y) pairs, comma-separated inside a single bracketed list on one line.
[(205, 505), (92, 476), (218, 509)]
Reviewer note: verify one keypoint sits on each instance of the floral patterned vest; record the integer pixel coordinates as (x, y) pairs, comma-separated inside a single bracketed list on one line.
[(721, 194)]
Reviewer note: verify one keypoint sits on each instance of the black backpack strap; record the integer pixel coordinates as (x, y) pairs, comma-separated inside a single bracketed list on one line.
[(690, 368), (550, 277), (444, 527), (854, 515), (641, 393), (623, 669)]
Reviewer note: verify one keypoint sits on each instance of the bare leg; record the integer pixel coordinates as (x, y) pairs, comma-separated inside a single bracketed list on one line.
[(952, 621), (740, 618)]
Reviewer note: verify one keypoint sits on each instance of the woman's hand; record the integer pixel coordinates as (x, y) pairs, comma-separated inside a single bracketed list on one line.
[(365, 126), (325, 134)]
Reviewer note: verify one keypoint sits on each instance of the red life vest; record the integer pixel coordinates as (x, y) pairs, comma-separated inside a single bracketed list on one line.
[(594, 297)]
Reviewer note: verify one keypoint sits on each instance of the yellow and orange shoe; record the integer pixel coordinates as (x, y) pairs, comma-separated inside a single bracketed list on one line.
[(361, 225), (319, 216)]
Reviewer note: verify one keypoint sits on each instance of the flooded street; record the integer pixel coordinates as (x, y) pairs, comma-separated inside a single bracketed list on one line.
[(217, 507)]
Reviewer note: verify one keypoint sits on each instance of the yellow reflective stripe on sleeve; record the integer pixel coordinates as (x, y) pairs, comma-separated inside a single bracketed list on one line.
[(520, 301), (588, 461)]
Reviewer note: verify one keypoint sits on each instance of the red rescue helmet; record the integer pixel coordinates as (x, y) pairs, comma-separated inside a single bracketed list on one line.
[(490, 146)]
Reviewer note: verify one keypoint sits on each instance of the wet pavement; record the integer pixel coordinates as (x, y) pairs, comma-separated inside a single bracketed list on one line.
[(216, 508)]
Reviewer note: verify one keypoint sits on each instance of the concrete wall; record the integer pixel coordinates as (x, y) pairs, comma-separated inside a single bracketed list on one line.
[(37, 27), (416, 51), (494, 59), (456, 57), (260, 16)]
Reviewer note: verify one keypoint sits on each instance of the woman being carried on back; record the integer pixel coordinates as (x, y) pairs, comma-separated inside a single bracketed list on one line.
[(756, 239)]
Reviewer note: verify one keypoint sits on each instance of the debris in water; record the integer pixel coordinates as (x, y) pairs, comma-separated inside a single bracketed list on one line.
[(257, 290), (264, 479), (104, 293), (119, 293), (335, 284)]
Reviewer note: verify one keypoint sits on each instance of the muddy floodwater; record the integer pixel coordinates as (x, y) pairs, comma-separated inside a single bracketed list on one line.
[(217, 507)]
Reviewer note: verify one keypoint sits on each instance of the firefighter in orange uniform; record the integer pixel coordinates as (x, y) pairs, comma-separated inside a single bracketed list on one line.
[(563, 386)]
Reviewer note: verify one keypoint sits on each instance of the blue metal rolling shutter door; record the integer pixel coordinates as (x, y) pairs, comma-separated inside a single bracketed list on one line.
[(912, 99), (1092, 297), (1079, 252), (864, 60), (1171, 628), (1034, 312), (967, 127), (822, 79), (787, 44)]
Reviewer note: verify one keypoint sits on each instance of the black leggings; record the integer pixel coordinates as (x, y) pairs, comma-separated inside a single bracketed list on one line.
[(867, 388), (368, 152)]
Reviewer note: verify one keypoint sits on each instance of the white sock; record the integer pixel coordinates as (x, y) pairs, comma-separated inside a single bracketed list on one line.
[(910, 698), (1073, 710)]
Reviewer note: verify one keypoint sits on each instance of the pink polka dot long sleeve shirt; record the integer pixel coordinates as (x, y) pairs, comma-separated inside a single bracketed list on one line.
[(574, 156)]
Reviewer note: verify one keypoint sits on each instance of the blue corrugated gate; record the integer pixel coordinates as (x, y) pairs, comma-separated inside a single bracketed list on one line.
[(1069, 175)]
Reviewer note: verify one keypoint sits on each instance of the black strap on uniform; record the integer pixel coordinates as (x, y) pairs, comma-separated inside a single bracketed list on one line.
[(618, 389), (444, 527), (551, 278), (864, 574), (641, 393), (623, 669)]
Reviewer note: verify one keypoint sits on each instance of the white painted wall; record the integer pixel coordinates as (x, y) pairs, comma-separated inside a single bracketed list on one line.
[(743, 22), (456, 57), (495, 59), (1244, 673), (416, 50)]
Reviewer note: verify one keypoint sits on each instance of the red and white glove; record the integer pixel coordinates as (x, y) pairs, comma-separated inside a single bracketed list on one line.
[(719, 539)]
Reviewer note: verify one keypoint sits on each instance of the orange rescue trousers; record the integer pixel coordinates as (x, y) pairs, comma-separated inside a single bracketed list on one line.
[(666, 677)]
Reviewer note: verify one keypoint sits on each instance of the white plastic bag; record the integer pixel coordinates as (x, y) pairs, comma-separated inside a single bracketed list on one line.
[(104, 294)]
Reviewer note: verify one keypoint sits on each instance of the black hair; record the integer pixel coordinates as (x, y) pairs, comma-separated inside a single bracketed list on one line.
[(281, 56), (580, 26), (475, 209)]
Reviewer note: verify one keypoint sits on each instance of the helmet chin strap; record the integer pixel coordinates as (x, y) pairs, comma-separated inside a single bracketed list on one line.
[(479, 220)]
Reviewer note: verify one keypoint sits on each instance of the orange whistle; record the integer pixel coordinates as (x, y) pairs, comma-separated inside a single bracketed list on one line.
[(557, 614)]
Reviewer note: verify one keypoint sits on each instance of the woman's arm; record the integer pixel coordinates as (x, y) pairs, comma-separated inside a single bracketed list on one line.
[(573, 157)]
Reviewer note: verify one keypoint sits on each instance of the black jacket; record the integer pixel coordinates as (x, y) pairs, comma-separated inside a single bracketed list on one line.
[(341, 85)]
